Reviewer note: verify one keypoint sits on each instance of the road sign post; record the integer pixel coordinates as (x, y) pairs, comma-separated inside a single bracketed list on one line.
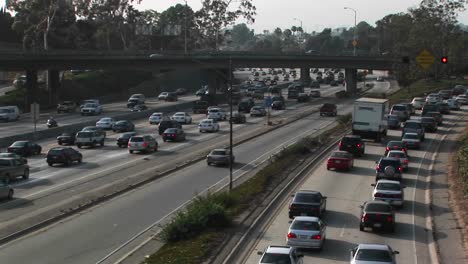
[(268, 102), (425, 60)]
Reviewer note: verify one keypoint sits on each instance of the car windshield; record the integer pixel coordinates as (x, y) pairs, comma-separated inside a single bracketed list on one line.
[(4, 111), (399, 107), (136, 139), (206, 122), (305, 225), (413, 125), (180, 115), (392, 117), (307, 198), (419, 100), (19, 144), (218, 152), (378, 207), (90, 105), (373, 255), (105, 120), (388, 186), (84, 134), (156, 115), (410, 136), (276, 258), (256, 108), (214, 111), (121, 123)]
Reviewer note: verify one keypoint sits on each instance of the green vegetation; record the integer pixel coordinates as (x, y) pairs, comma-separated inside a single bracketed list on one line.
[(345, 120), (462, 160)]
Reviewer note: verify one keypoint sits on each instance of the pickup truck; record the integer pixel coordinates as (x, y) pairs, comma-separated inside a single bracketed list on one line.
[(66, 107), (90, 138), (11, 168), (328, 110)]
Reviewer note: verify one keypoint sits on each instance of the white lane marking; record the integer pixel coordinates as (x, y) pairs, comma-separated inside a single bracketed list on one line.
[(343, 229)]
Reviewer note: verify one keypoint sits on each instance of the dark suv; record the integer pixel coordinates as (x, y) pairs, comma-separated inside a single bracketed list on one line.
[(165, 124), (246, 105), (309, 203), (388, 168), (63, 155), (352, 144)]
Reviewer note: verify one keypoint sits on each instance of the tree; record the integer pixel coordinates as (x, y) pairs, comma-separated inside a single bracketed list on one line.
[(217, 14), (241, 35), (6, 32), (278, 32), (294, 29), (179, 16)]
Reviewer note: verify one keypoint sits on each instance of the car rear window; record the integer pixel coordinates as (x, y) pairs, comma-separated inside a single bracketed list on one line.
[(305, 225), (136, 139), (4, 162), (276, 258), (373, 255), (398, 155), (378, 207), (395, 144), (399, 107), (55, 152), (171, 130), (340, 155), (307, 198), (413, 125), (84, 134), (219, 152), (389, 162), (353, 140), (19, 144), (388, 186), (410, 136)]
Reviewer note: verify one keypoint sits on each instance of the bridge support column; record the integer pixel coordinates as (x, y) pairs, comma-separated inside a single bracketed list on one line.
[(54, 85), (216, 79), (31, 89), (305, 75), (351, 81)]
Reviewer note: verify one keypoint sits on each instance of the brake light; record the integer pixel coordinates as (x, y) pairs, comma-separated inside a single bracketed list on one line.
[(364, 218), (129, 144), (358, 145), (387, 148), (389, 218), (403, 149), (318, 237), (400, 169), (172, 135), (291, 235), (378, 167), (145, 144), (340, 144), (405, 161)]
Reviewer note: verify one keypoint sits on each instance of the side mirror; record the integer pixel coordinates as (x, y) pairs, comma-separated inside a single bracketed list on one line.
[(292, 195), (259, 253), (396, 252), (290, 221), (300, 255), (361, 206), (324, 197), (376, 162), (373, 185)]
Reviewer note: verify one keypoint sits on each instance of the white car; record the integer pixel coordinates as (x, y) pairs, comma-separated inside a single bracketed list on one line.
[(418, 102), (155, 118), (462, 99), (89, 101), (433, 98), (163, 96), (182, 117), (412, 140), (400, 155), (210, 125), (216, 114), (389, 191), (105, 123), (373, 253), (453, 104), (306, 232), (140, 97), (258, 111), (281, 254), (91, 109)]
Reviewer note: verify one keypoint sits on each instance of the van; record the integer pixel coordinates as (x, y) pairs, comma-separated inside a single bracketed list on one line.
[(9, 113)]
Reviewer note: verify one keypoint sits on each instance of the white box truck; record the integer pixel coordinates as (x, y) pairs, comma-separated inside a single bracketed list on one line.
[(370, 118)]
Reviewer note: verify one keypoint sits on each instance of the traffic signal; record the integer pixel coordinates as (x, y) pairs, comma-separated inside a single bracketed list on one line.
[(444, 60)]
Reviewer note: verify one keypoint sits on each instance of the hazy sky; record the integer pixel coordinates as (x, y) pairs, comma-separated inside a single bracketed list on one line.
[(315, 14)]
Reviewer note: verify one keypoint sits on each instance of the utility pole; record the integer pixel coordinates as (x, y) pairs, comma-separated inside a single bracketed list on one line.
[(230, 123)]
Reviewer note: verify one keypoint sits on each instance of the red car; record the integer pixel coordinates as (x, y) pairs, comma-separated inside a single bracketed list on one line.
[(340, 160)]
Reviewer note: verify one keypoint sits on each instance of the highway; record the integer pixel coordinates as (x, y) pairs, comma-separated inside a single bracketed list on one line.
[(88, 237), (347, 190)]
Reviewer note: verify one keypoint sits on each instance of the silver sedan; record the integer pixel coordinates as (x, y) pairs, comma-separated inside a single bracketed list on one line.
[(306, 232)]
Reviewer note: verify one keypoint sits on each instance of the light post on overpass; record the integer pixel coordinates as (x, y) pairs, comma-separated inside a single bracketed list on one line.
[(354, 30), (230, 123)]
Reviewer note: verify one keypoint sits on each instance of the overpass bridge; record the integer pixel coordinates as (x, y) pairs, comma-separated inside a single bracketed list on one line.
[(217, 65)]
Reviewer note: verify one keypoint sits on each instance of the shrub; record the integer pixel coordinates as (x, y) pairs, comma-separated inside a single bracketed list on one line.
[(345, 120)]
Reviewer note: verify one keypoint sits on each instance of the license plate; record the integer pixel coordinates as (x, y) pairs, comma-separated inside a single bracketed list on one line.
[(377, 225), (303, 236), (337, 161)]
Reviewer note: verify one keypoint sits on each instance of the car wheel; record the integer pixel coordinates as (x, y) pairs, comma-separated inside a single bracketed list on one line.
[(50, 164), (60, 143), (361, 228), (391, 229), (328, 168), (291, 216), (102, 143), (78, 145), (10, 194), (26, 174), (68, 162), (80, 160), (130, 151)]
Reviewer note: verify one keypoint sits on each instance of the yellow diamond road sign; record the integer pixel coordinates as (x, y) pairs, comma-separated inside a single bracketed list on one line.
[(425, 59)]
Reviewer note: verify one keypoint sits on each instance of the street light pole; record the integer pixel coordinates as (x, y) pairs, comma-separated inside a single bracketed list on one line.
[(354, 30), (230, 124)]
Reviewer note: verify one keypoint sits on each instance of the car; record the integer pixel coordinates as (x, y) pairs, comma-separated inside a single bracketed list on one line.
[(201, 92), (433, 98), (409, 108), (302, 97), (404, 160), (165, 124), (123, 126), (314, 93), (122, 140), (210, 125), (155, 118), (340, 160), (6, 192), (453, 104), (458, 89), (400, 111), (216, 114), (63, 155), (258, 111), (430, 108), (277, 105), (67, 107), (314, 84), (200, 107), (11, 168), (171, 97), (414, 126), (307, 203), (181, 91), (328, 109), (373, 253), (389, 191), (352, 144), (66, 138), (245, 105), (377, 215), (182, 117), (219, 157), (445, 94), (91, 109), (23, 160), (163, 95), (393, 122), (462, 99), (411, 140), (24, 148), (388, 168), (89, 101), (395, 145), (9, 113), (238, 118), (173, 134), (306, 232), (380, 79), (90, 138), (418, 102), (280, 254), (293, 93), (132, 102), (93, 129), (444, 108), (429, 123), (145, 143), (139, 108), (140, 97), (105, 123), (278, 98), (436, 115)]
